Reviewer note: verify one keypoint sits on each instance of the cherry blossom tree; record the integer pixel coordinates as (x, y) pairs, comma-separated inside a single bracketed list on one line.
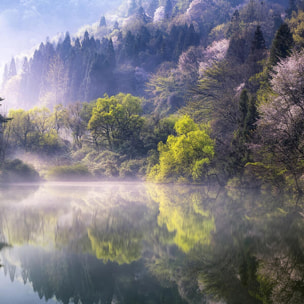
[(281, 123)]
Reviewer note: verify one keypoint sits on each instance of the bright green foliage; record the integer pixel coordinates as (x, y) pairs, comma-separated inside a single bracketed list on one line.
[(185, 125), (122, 248), (182, 213), (115, 123), (184, 157)]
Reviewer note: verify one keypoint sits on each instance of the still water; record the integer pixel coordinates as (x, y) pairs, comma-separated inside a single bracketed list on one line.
[(138, 243)]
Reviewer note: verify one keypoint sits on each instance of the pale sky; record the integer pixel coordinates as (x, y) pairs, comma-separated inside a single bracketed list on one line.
[(26, 23)]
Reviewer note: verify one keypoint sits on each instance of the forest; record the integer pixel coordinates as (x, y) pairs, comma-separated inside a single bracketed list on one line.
[(172, 92)]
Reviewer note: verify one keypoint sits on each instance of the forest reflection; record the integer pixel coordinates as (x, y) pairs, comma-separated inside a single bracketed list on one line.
[(142, 243)]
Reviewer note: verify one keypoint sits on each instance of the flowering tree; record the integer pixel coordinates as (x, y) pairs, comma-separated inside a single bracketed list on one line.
[(281, 123)]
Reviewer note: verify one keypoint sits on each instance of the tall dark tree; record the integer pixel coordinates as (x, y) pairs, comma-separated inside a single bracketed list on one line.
[(65, 47), (128, 49), (281, 45), (257, 53), (110, 54), (248, 116), (234, 26), (258, 42), (102, 21)]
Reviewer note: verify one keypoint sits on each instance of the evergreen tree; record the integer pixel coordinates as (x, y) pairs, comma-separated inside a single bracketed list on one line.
[(128, 49), (257, 53), (110, 54), (281, 45), (102, 21), (192, 38), (240, 154), (234, 26), (77, 45), (12, 69), (86, 40), (65, 47), (258, 42)]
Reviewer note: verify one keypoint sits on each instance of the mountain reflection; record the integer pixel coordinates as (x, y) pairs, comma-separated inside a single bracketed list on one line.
[(136, 243)]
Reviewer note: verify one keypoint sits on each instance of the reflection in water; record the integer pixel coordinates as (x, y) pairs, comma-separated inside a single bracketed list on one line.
[(136, 243)]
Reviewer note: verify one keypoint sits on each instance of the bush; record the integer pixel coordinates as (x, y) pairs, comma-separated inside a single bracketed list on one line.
[(72, 172), (16, 171), (131, 168)]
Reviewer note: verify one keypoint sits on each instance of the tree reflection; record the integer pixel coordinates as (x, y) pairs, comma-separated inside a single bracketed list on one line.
[(181, 210), (159, 244), (118, 237), (256, 254)]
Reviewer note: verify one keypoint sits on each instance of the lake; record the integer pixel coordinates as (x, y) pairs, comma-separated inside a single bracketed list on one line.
[(142, 243)]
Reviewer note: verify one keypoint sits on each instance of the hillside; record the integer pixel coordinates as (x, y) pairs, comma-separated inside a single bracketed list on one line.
[(185, 91)]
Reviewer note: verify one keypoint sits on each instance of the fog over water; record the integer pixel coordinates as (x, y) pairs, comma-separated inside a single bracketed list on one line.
[(143, 243)]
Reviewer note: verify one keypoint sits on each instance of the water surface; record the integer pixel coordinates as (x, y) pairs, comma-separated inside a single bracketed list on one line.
[(140, 243)]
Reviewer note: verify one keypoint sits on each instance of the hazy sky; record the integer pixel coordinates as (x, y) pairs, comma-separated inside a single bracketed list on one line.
[(26, 23)]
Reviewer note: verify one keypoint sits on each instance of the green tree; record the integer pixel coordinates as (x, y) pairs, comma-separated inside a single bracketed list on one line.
[(281, 45), (243, 135), (21, 128), (33, 130), (116, 123), (184, 157)]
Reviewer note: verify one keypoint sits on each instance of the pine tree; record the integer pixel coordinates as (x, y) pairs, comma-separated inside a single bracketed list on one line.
[(65, 47), (281, 45), (257, 52), (240, 154), (234, 26), (12, 69), (102, 21), (258, 42), (110, 54)]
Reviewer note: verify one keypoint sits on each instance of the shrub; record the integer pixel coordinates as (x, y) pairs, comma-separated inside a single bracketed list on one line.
[(71, 172), (131, 168), (17, 171)]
